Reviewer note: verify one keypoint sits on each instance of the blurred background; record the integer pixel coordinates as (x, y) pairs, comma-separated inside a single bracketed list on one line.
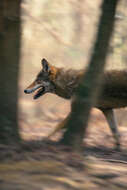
[(63, 33)]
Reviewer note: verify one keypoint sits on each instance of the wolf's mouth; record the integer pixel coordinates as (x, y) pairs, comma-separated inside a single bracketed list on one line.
[(39, 92), (38, 89)]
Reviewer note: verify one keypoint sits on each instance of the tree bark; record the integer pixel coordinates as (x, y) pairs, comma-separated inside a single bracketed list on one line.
[(9, 67), (90, 86)]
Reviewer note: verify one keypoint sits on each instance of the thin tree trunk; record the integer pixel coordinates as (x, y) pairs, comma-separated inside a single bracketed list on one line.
[(9, 66), (90, 86)]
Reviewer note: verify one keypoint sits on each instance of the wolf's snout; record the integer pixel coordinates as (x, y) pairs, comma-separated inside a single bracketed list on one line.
[(33, 87), (25, 91), (28, 91)]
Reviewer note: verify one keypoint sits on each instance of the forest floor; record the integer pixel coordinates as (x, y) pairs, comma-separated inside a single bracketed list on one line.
[(45, 165)]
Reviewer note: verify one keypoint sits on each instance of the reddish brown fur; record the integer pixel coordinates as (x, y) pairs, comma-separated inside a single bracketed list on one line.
[(114, 90)]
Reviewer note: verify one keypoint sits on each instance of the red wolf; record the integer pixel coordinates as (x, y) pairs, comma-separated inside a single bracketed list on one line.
[(64, 83)]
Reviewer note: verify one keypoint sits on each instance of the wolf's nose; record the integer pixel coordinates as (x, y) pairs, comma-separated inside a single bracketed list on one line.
[(25, 91)]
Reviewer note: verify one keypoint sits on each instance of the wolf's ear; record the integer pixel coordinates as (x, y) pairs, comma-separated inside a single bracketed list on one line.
[(45, 65)]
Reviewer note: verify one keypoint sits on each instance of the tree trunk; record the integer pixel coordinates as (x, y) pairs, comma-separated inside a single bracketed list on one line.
[(90, 86), (9, 66)]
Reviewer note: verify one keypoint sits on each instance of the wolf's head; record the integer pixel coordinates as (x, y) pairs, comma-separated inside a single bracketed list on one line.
[(44, 81)]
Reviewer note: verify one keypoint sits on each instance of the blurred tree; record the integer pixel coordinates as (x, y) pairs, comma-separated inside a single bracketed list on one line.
[(9, 66), (90, 86)]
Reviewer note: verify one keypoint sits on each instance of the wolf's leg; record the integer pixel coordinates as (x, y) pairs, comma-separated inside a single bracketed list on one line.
[(59, 127), (110, 117)]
